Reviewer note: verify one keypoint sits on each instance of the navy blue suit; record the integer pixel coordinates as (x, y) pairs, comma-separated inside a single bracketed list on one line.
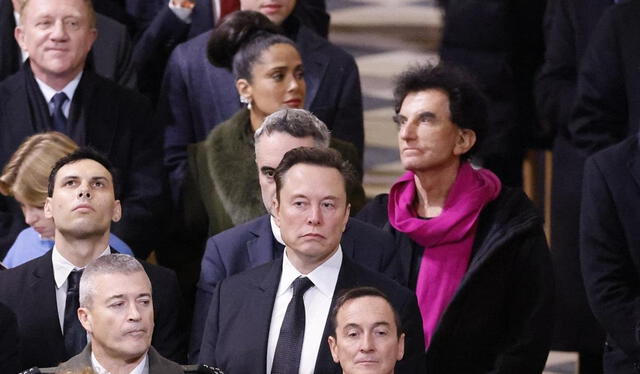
[(252, 244), (237, 328), (197, 96), (29, 291)]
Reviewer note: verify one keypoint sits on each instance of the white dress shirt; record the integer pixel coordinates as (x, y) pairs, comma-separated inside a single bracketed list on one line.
[(69, 89), (142, 368), (317, 302), (61, 270)]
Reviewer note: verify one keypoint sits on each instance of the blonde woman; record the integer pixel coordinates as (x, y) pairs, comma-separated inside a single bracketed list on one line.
[(25, 177)]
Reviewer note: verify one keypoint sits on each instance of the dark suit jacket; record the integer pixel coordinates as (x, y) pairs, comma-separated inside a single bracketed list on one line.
[(111, 55), (114, 121), (29, 290), (252, 244), (569, 25), (157, 363), (610, 249), (8, 339), (197, 96), (237, 328), (608, 100)]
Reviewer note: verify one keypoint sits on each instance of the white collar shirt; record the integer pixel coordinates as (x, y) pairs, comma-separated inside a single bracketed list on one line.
[(317, 302), (61, 270), (142, 368), (69, 90)]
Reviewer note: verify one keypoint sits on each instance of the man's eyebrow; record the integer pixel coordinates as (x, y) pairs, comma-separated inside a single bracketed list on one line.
[(119, 296), (266, 168)]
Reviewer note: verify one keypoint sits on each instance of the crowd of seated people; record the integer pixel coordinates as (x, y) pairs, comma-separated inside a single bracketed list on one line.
[(182, 192)]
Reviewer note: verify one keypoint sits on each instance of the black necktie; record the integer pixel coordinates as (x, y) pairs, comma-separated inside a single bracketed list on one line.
[(286, 359), (58, 120), (75, 338)]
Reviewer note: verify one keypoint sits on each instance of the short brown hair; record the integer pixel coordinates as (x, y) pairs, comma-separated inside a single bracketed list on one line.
[(356, 293), (327, 157), (27, 172)]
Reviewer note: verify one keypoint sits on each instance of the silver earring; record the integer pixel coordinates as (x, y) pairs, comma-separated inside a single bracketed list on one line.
[(245, 100)]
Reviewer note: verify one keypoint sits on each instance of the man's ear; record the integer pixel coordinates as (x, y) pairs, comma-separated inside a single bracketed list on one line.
[(466, 140), (346, 217), (117, 211), (47, 208), (400, 347), (334, 349), (85, 319), (275, 210), (18, 34)]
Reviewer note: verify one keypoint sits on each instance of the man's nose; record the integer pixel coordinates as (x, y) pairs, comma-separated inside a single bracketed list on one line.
[(59, 31), (367, 342), (315, 216)]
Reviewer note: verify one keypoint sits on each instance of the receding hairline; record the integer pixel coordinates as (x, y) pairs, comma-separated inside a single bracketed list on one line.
[(91, 14), (389, 307)]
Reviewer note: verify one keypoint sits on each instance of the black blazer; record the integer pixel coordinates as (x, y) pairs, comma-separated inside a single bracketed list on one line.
[(113, 120), (29, 291), (237, 328), (8, 339), (252, 244), (610, 249)]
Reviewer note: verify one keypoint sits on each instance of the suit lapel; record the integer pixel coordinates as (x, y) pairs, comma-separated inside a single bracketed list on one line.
[(262, 305), (634, 163), (260, 249), (41, 302)]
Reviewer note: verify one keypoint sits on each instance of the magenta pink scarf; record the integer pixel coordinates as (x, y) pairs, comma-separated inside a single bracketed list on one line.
[(447, 239)]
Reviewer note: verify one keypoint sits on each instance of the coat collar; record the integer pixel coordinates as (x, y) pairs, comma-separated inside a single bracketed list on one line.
[(634, 161), (260, 248)]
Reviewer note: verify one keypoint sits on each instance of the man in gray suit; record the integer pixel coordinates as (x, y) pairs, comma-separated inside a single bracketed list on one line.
[(116, 309)]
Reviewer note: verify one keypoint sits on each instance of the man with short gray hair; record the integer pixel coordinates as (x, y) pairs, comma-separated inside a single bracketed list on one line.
[(116, 309), (259, 241)]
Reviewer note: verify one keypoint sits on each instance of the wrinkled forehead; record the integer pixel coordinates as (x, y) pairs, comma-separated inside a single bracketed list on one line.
[(120, 285), (54, 8), (314, 181), (270, 148)]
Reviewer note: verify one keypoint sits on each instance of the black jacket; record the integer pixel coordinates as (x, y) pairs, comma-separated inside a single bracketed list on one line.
[(498, 321)]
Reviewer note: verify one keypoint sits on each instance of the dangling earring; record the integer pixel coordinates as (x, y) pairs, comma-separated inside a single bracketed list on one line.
[(245, 100)]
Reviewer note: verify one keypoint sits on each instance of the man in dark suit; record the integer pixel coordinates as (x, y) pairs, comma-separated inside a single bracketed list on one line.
[(259, 241), (54, 91), (273, 317), (110, 57), (569, 26), (196, 96), (43, 292), (610, 250), (116, 310)]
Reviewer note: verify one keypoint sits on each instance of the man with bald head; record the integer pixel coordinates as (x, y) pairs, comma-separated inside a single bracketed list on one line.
[(54, 90)]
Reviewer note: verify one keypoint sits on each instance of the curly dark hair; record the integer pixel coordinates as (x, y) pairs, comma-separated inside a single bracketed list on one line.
[(467, 103)]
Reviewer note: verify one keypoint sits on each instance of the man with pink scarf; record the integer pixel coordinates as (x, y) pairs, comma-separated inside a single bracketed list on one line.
[(473, 250)]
